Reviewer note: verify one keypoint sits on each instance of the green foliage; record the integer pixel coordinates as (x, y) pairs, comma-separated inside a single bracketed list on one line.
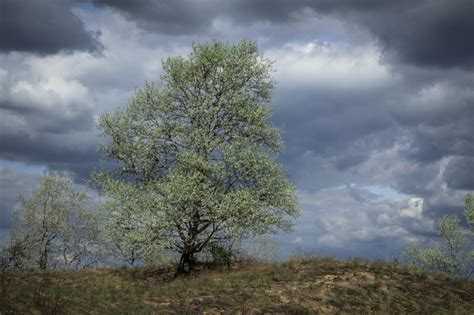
[(52, 228), (196, 155), (452, 253), (17, 253), (430, 259), (221, 253), (469, 202)]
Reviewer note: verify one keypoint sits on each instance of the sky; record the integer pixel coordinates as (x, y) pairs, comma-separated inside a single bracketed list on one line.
[(375, 99)]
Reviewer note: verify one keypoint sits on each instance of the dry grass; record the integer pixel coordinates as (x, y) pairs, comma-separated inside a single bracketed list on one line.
[(302, 285)]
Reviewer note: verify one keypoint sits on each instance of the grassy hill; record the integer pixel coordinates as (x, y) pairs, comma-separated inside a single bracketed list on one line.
[(302, 285)]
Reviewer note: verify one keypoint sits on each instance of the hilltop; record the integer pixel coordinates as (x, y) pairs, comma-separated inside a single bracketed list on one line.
[(301, 285)]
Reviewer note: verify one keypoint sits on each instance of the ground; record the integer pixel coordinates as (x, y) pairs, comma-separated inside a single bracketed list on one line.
[(301, 285)]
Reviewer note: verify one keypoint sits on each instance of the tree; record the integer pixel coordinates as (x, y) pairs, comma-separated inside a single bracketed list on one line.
[(80, 244), (196, 155), (17, 253), (469, 202), (52, 228), (451, 254)]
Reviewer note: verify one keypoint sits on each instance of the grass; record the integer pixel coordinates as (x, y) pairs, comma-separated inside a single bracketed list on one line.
[(302, 285)]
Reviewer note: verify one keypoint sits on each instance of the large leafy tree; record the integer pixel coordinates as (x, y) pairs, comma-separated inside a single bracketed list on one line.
[(196, 155)]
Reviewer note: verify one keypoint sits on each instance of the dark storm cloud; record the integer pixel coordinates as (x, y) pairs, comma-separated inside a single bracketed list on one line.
[(43, 27), (351, 116), (172, 17), (341, 128), (13, 183), (459, 173), (54, 139), (284, 11), (431, 143), (424, 33), (332, 129), (440, 118), (52, 151), (43, 126), (44, 149), (59, 139), (417, 180), (43, 120), (434, 33)]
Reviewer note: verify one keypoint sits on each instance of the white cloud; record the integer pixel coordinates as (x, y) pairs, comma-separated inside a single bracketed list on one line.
[(342, 217), (335, 66), (414, 209), (298, 240), (51, 92)]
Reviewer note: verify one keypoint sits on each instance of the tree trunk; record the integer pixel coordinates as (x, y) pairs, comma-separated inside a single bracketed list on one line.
[(44, 260), (43, 263), (186, 259)]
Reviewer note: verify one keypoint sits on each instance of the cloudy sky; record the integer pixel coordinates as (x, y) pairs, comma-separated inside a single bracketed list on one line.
[(375, 99)]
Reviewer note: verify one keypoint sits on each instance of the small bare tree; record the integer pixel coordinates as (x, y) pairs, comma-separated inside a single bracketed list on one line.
[(52, 228), (453, 254)]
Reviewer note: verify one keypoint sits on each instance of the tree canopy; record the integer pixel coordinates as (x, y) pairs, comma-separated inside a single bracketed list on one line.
[(469, 212), (196, 155)]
